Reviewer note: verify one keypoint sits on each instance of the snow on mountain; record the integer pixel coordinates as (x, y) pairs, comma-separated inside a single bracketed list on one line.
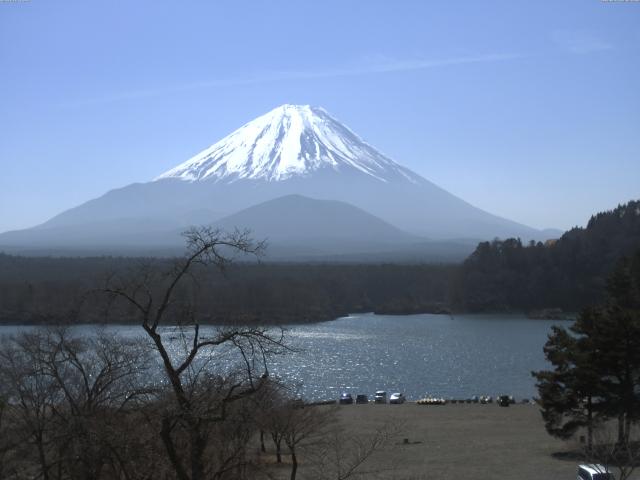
[(292, 150), (289, 141)]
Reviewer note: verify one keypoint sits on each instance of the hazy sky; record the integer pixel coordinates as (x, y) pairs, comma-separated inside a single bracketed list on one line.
[(530, 110)]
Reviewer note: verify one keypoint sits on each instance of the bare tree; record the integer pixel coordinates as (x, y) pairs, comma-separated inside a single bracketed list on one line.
[(200, 398), (32, 395), (304, 424), (341, 455), (268, 415), (69, 399), (101, 382), (612, 454)]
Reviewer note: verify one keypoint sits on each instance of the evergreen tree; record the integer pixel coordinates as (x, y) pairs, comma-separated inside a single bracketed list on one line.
[(596, 363), (616, 336), (570, 393)]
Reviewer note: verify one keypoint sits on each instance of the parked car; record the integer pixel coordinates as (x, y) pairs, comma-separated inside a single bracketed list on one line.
[(396, 398), (380, 397), (594, 472), (503, 400), (362, 399), (346, 399)]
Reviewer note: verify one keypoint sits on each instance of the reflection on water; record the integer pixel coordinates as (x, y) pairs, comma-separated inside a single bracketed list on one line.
[(446, 356)]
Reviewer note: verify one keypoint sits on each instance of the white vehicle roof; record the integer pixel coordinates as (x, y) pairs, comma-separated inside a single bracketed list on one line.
[(380, 392), (594, 468)]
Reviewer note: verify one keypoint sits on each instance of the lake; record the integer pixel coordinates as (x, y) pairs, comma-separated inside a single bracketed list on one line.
[(449, 356)]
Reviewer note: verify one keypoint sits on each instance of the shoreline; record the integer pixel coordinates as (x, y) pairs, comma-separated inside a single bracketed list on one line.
[(565, 317)]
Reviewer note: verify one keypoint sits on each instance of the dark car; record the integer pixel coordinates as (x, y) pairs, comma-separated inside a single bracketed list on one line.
[(362, 399), (503, 400), (346, 399)]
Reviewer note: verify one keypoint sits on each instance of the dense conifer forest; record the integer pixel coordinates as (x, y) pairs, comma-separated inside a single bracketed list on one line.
[(568, 274)]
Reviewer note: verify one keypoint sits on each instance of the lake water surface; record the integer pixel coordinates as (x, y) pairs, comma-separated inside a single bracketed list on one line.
[(449, 356)]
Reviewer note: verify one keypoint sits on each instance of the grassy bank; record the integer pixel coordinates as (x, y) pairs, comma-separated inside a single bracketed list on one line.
[(460, 441)]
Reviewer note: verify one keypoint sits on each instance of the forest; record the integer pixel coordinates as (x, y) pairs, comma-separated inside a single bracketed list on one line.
[(569, 273), (565, 275)]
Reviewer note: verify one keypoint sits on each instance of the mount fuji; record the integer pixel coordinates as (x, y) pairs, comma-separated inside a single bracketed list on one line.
[(293, 151), (288, 142)]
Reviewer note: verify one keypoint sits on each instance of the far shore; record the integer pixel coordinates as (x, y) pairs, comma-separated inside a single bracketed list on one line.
[(537, 315)]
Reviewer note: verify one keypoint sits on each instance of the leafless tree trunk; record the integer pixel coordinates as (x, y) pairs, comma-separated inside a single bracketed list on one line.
[(263, 449), (303, 424), (589, 422), (159, 302), (609, 452)]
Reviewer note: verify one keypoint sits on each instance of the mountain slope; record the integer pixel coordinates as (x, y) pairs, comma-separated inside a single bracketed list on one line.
[(302, 224), (290, 150)]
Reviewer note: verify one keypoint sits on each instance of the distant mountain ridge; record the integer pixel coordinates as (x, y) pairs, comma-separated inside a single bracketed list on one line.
[(292, 150), (298, 218), (301, 228)]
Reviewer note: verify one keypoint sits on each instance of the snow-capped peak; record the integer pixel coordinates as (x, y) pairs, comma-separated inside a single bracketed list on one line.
[(289, 141)]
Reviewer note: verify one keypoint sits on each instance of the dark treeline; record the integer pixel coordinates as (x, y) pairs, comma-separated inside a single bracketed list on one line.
[(46, 290), (567, 274)]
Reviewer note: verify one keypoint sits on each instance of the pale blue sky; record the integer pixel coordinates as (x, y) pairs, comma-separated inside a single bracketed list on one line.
[(530, 110)]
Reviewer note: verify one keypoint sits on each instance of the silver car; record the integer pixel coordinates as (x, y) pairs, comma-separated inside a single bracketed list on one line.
[(594, 472), (396, 398), (380, 397)]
